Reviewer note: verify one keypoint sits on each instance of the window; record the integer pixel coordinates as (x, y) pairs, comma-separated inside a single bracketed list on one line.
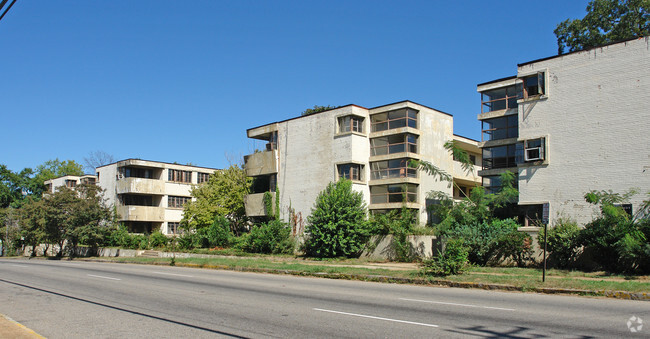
[(394, 144), (136, 200), (396, 168), (350, 171), (500, 98), (174, 228), (534, 149), (472, 159), (136, 172), (500, 128), (350, 124), (70, 183), (493, 183), (393, 193), (405, 117), (177, 202), (179, 176), (87, 181), (627, 208), (534, 85), (202, 177), (499, 157)]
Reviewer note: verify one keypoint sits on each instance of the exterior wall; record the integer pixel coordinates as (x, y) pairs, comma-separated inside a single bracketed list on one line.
[(310, 148), (596, 120), (55, 183), (158, 187)]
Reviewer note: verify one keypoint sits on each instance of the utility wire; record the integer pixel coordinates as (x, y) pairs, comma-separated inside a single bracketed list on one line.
[(8, 8)]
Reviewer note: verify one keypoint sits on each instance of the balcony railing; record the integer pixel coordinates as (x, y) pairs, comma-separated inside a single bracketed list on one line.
[(499, 104), (391, 173), (261, 163), (383, 125), (383, 198), (394, 148)]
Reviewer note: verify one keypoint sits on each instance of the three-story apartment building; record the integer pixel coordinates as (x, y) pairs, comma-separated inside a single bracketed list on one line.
[(371, 147), (150, 195)]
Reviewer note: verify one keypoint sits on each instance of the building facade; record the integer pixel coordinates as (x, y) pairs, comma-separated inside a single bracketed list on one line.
[(371, 147), (149, 195), (69, 181), (569, 124)]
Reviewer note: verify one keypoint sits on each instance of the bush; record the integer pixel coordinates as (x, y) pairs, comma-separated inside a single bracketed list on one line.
[(216, 235), (562, 243), (187, 240), (490, 242), (452, 260), (400, 224), (158, 240), (337, 225), (273, 237)]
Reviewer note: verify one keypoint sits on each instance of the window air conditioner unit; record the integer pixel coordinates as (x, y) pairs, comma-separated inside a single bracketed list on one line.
[(534, 153)]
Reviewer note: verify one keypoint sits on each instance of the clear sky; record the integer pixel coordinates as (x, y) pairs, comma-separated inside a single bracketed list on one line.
[(181, 81)]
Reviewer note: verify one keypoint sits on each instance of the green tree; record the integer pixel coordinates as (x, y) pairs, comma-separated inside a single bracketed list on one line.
[(317, 109), (606, 21), (49, 170), (337, 225), (222, 195)]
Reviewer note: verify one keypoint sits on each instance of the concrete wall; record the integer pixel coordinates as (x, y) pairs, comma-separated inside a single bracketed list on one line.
[(423, 246), (596, 118)]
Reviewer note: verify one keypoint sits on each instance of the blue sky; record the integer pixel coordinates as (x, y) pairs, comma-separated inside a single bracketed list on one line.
[(181, 81)]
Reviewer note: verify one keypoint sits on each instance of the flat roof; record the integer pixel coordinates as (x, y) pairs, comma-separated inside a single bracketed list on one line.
[(331, 109), (158, 162), (497, 80)]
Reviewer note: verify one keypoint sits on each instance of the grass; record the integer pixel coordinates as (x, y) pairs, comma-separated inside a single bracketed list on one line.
[(523, 278)]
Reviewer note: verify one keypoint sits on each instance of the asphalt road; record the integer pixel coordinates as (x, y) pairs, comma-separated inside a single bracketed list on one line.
[(72, 299)]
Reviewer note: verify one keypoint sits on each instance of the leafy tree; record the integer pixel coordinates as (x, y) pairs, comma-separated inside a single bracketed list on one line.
[(317, 109), (49, 170), (337, 225), (606, 21), (273, 237), (562, 242), (97, 159), (32, 220), (222, 195)]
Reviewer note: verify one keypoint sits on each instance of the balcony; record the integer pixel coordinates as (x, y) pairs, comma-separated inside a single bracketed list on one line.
[(461, 174), (261, 163), (141, 213), (140, 186), (255, 204)]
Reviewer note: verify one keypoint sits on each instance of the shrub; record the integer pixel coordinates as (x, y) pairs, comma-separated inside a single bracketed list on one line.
[(337, 225), (562, 243), (400, 224), (273, 237), (452, 260), (490, 242), (216, 235), (157, 239), (187, 240)]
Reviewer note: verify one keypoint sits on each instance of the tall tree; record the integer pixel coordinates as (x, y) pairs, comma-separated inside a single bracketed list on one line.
[(606, 21), (222, 195), (52, 169), (97, 159)]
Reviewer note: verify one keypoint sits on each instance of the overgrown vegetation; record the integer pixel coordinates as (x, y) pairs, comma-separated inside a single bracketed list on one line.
[(337, 226), (317, 109), (451, 261)]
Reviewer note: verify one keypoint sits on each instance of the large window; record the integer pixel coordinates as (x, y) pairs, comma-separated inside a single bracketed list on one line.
[(405, 117), (87, 181), (534, 85), (350, 171), (499, 157), (136, 172), (500, 128), (500, 98), (351, 123), (70, 183), (393, 193), (394, 144), (396, 168), (177, 202), (494, 184), (136, 200), (179, 176), (202, 177)]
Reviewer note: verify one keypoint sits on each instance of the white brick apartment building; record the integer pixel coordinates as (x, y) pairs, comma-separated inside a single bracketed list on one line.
[(70, 181), (149, 195), (569, 124), (372, 147)]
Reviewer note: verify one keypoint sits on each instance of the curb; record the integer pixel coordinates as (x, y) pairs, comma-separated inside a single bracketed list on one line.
[(625, 295), (20, 327)]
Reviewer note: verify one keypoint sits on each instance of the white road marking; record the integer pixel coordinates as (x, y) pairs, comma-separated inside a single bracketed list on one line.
[(174, 274), (454, 304), (99, 276), (19, 265), (377, 318)]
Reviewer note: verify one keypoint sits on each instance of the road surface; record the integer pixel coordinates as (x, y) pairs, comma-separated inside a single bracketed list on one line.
[(75, 299)]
